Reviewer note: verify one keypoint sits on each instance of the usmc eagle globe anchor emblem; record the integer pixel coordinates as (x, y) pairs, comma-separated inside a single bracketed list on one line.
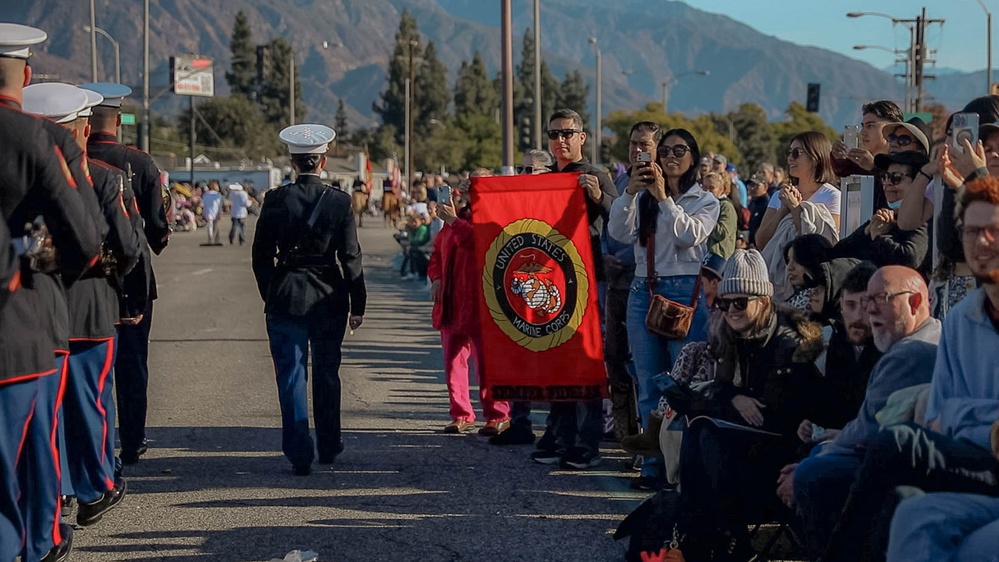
[(535, 284)]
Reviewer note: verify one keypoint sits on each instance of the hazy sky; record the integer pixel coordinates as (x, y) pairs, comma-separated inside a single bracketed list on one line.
[(960, 42)]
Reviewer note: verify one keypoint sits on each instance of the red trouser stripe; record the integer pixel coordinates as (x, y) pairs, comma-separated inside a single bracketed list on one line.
[(101, 382), (54, 441)]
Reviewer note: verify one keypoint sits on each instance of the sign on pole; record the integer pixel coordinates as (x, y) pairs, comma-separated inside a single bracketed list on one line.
[(192, 75)]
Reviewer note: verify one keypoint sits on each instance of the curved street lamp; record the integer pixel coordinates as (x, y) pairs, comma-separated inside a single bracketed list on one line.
[(673, 80), (114, 44)]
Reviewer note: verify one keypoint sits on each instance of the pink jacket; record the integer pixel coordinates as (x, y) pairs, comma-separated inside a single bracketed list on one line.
[(453, 264)]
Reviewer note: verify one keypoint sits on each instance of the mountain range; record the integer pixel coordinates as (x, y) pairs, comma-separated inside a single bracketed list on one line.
[(643, 44)]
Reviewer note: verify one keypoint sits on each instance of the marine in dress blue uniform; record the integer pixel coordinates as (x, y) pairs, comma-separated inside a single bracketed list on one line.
[(131, 370), (86, 428), (40, 176), (305, 228)]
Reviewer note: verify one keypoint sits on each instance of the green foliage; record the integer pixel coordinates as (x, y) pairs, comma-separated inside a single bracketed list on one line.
[(432, 96), (243, 74), (754, 136), (524, 84), (392, 107), (484, 144), (340, 121), (573, 93), (231, 123), (276, 87), (799, 121), (474, 93)]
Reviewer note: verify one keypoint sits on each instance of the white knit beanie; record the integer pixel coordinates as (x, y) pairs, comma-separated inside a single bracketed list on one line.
[(746, 274)]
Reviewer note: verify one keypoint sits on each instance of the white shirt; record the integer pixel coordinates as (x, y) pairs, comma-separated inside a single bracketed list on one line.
[(211, 203), (240, 203), (827, 195), (682, 230)]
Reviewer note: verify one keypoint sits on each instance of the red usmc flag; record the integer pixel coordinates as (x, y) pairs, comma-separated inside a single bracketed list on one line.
[(540, 322)]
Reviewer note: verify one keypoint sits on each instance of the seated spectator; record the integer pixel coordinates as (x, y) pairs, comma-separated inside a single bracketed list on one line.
[(721, 241), (903, 330), (809, 207), (880, 240), (417, 236), (802, 258), (945, 526), (954, 454), (455, 289), (711, 275), (765, 378)]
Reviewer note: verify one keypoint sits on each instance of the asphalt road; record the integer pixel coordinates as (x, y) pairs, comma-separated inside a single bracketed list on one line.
[(214, 485)]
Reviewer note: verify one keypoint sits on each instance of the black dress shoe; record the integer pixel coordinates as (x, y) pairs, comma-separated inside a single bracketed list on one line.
[(131, 456), (514, 435), (327, 456), (89, 513), (61, 551), (302, 470)]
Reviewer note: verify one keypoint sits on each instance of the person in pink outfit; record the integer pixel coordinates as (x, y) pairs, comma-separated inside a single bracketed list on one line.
[(455, 289)]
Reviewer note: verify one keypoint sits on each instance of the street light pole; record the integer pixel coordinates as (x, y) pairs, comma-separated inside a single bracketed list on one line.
[(988, 67), (114, 45), (93, 42), (291, 86), (507, 47), (537, 75), (595, 147), (144, 143), (411, 89), (674, 80)]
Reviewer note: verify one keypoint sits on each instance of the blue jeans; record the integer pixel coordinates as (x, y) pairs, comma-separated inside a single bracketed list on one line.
[(821, 485), (238, 228), (654, 354), (290, 340), (945, 526)]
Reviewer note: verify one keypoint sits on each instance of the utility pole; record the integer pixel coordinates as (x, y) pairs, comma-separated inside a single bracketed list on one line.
[(93, 42), (537, 76), (595, 147), (919, 49), (194, 137), (409, 116), (291, 85), (507, 47)]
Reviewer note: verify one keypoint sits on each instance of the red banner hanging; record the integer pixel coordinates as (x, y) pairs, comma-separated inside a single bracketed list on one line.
[(540, 321)]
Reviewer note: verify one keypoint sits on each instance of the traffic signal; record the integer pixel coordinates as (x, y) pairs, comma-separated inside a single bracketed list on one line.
[(526, 134), (605, 150), (812, 100), (263, 62)]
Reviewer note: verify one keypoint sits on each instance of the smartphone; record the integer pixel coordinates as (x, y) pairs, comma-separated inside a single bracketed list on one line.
[(963, 127), (444, 193), (851, 136), (644, 157)]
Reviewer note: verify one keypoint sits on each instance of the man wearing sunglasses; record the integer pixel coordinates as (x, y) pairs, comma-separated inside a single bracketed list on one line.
[(577, 446), (880, 240)]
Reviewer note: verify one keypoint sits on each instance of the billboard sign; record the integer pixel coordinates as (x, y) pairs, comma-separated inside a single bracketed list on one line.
[(192, 75)]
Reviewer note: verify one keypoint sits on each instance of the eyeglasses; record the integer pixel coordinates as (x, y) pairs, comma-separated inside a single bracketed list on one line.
[(524, 170), (739, 303), (678, 151), (892, 178), (974, 233), (795, 153), (882, 298), (563, 133), (901, 140)]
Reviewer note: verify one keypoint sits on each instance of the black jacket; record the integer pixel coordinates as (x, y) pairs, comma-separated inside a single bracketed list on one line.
[(908, 248), (776, 366), (302, 282), (596, 212), (845, 383), (37, 179)]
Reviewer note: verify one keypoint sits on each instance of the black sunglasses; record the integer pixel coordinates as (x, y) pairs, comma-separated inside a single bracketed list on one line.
[(892, 178), (524, 170), (564, 133), (740, 303), (795, 153), (901, 140), (679, 151)]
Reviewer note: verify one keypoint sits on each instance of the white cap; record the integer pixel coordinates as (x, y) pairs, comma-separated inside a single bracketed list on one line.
[(60, 102), (16, 40), (307, 139), (93, 99), (113, 93)]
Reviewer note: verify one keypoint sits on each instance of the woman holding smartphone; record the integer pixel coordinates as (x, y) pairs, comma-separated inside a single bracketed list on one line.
[(665, 215)]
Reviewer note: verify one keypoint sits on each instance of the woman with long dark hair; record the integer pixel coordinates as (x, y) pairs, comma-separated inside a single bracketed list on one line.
[(666, 215)]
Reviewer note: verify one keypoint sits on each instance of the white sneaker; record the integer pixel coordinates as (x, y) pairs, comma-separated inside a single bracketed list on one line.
[(409, 277)]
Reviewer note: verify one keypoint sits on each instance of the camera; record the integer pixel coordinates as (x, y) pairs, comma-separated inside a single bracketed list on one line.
[(963, 127)]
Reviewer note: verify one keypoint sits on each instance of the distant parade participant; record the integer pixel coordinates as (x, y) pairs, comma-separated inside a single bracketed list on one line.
[(131, 369), (41, 177), (87, 423), (304, 229)]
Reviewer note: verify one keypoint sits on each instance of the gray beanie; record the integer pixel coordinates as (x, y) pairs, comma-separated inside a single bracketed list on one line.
[(746, 274)]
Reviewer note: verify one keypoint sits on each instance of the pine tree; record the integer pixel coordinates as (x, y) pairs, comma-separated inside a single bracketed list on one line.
[(274, 99), (340, 121), (432, 96), (243, 72), (524, 84), (392, 106), (473, 91), (573, 96)]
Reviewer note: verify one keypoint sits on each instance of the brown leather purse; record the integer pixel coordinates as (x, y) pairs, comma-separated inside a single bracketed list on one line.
[(667, 318)]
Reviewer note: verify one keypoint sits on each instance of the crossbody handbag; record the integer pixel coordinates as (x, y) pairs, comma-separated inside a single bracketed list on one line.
[(667, 318)]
